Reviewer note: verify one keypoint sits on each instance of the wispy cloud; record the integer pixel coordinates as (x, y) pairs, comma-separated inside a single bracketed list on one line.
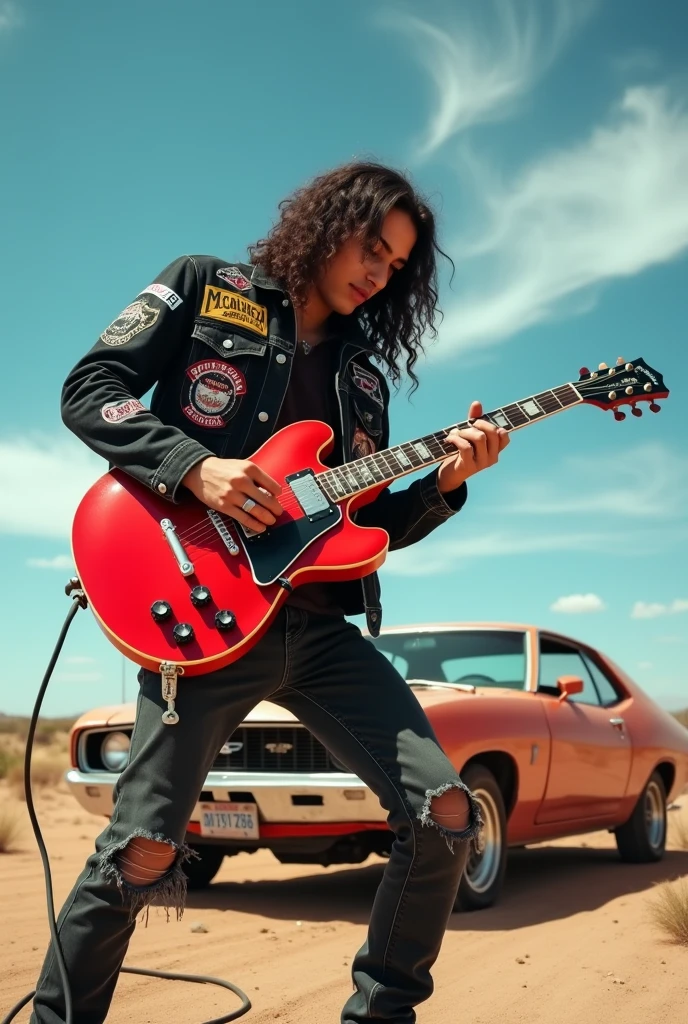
[(10, 16), (42, 483), (79, 677), (58, 562), (609, 207), (653, 610), (578, 604), (484, 61), (440, 557), (79, 659), (648, 481)]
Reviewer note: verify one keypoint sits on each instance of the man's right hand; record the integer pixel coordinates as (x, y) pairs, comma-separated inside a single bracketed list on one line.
[(226, 484)]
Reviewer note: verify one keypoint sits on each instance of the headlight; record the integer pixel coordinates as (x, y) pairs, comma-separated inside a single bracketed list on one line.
[(114, 751)]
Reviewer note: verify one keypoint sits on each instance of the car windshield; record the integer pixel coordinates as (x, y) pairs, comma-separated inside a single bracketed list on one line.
[(481, 657)]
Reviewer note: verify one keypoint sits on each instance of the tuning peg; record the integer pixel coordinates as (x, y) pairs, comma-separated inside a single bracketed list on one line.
[(636, 411), (603, 366), (654, 407), (647, 387), (630, 367), (619, 415), (584, 371), (620, 360)]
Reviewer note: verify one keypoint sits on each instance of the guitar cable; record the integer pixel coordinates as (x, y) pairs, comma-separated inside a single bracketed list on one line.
[(79, 601)]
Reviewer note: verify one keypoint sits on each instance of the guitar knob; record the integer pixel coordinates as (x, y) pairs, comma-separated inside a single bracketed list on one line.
[(654, 407), (200, 597), (584, 371), (636, 411), (183, 633), (161, 610), (224, 619), (619, 415)]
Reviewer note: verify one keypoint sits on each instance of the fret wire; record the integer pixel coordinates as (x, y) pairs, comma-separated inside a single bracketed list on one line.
[(399, 460)]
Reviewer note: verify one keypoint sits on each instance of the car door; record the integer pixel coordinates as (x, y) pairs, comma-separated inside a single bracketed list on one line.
[(590, 757)]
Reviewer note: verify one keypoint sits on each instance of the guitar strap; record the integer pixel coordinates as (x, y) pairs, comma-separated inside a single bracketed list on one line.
[(371, 602)]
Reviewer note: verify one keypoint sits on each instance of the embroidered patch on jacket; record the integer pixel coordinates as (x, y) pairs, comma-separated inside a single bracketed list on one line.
[(367, 382), (221, 304), (115, 412), (137, 317), (163, 292), (363, 444), (233, 276), (211, 392)]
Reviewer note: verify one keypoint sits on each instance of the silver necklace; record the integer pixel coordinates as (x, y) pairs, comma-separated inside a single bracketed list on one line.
[(305, 347)]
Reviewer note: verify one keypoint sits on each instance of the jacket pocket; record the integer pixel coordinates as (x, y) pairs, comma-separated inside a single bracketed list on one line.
[(228, 343), (224, 370)]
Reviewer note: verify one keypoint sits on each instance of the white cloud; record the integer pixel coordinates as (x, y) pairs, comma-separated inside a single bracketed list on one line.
[(43, 481), (10, 16), (484, 62), (58, 562), (438, 557), (645, 664), (609, 207), (653, 609), (578, 604), (79, 677), (79, 659), (648, 481)]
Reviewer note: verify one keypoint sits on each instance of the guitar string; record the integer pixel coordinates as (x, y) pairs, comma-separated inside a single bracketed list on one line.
[(549, 401)]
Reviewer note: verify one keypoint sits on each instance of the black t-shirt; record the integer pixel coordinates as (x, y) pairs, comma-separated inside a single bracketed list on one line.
[(311, 395)]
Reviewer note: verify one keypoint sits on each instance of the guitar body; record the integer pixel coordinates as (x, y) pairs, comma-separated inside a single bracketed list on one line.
[(125, 563)]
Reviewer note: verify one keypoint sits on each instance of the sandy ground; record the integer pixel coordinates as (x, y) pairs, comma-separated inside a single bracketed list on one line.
[(570, 942)]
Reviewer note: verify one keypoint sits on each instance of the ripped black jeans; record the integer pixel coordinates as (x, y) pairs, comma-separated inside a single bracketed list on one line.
[(348, 694)]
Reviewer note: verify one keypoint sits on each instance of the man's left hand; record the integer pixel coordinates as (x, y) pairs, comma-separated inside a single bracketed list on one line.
[(477, 448)]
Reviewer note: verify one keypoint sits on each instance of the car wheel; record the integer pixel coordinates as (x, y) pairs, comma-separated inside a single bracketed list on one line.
[(642, 838), (483, 877), (201, 871)]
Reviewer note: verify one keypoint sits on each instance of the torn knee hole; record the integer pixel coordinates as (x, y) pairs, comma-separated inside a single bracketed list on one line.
[(143, 861), (451, 810)]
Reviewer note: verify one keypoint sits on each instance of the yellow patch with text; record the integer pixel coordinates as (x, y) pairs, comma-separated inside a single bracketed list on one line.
[(232, 308)]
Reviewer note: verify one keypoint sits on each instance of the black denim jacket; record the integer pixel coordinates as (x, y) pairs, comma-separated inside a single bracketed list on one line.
[(217, 340)]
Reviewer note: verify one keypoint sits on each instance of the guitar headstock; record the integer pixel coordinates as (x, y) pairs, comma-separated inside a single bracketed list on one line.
[(608, 387)]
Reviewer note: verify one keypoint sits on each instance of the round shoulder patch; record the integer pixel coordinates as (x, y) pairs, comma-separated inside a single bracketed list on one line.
[(137, 317)]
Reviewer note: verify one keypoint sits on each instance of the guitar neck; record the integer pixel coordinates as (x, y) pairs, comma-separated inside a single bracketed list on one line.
[(401, 459)]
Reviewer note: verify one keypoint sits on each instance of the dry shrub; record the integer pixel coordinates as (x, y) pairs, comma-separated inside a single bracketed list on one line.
[(47, 772), (669, 910), (11, 826), (678, 828)]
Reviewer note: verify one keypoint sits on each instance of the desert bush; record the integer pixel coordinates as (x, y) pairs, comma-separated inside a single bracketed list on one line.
[(11, 826), (7, 762), (669, 910), (678, 828), (47, 771)]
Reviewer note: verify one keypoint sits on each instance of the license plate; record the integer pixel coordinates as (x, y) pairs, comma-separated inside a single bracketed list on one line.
[(229, 820)]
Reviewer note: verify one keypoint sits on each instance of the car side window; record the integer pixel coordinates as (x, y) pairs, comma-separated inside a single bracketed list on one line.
[(605, 687), (557, 659)]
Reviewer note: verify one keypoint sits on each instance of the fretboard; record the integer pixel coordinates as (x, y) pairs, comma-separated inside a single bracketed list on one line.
[(401, 459)]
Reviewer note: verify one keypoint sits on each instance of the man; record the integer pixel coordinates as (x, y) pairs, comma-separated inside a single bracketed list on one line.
[(339, 292)]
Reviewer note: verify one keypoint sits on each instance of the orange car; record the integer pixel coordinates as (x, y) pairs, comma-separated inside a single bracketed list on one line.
[(551, 736)]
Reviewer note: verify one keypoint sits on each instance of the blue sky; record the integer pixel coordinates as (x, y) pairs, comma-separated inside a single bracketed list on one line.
[(552, 137)]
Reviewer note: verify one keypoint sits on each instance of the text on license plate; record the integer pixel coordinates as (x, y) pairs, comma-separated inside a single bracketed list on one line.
[(229, 820)]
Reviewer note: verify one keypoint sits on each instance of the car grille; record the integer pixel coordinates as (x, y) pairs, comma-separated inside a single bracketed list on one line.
[(305, 753)]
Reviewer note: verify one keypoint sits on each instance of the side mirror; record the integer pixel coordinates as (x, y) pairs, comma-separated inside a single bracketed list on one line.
[(569, 685)]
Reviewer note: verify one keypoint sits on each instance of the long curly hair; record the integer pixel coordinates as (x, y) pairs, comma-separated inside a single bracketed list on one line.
[(353, 201)]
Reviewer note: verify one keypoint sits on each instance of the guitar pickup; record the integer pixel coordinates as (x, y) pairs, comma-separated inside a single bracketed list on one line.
[(312, 500)]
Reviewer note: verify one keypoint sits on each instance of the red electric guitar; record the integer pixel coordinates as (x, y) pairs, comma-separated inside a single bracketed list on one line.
[(182, 587)]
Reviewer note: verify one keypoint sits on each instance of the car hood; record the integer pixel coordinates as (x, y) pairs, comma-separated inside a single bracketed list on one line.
[(428, 696)]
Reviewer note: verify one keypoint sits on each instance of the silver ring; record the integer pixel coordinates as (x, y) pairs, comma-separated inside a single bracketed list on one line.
[(248, 505)]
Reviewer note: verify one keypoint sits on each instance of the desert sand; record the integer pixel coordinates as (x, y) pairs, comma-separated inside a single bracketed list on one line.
[(571, 941)]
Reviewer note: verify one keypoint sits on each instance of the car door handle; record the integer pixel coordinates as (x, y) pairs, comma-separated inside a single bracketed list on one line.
[(618, 723)]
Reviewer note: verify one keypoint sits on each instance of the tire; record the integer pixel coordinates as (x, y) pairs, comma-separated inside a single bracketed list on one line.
[(483, 877), (642, 839), (200, 872)]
